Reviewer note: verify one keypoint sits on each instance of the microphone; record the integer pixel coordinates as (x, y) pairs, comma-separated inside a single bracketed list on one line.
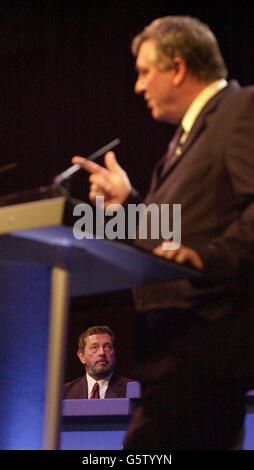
[(74, 168)]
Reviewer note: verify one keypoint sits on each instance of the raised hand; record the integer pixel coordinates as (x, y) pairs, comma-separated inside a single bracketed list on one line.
[(111, 182)]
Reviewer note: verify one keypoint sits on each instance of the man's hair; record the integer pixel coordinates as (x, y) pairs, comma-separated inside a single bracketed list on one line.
[(187, 38), (94, 330)]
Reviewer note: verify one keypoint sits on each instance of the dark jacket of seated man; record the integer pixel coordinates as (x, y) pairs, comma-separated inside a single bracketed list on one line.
[(97, 353), (78, 388)]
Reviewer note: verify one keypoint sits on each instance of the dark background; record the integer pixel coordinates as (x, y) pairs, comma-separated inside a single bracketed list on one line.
[(66, 84)]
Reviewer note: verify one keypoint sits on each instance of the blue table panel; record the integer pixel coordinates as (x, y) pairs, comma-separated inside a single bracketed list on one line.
[(24, 300)]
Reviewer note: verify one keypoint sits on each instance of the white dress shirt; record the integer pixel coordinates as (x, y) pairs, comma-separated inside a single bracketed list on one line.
[(198, 104), (103, 384)]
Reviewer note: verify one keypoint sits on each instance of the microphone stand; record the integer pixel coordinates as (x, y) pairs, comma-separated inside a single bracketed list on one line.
[(74, 168)]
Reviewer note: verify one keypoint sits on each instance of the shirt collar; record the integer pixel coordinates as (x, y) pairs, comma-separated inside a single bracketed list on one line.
[(91, 381), (200, 101)]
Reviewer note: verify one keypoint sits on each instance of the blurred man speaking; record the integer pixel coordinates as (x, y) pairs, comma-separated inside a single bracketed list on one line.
[(195, 357)]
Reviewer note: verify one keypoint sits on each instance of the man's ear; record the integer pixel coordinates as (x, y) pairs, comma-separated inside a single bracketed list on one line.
[(180, 71), (80, 354)]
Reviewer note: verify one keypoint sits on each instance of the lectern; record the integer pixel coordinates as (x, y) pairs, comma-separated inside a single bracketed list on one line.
[(42, 265)]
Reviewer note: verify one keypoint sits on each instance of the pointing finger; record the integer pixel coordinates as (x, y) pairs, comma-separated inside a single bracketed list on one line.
[(90, 167)]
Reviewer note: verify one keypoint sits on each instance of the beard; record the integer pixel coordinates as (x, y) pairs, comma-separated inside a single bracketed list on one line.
[(101, 369)]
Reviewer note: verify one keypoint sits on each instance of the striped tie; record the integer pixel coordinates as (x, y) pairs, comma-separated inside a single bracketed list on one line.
[(174, 151), (95, 391)]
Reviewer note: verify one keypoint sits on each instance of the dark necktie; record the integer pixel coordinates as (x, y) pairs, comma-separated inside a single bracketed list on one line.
[(174, 150), (95, 391)]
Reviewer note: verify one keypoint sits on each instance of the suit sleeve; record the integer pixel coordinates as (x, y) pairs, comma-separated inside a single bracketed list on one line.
[(232, 253)]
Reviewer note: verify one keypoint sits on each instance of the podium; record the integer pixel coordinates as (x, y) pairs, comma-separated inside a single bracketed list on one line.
[(98, 424), (42, 265)]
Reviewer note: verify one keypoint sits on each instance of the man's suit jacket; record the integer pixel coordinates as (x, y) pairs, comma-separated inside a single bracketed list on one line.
[(78, 388), (210, 320)]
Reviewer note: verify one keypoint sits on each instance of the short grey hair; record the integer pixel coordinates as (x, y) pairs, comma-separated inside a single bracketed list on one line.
[(95, 330), (187, 38)]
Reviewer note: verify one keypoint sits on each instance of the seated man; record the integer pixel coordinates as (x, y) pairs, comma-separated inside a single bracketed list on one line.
[(96, 351)]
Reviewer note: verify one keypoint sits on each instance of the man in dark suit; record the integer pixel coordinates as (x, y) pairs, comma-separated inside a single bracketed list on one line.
[(97, 353), (195, 351)]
